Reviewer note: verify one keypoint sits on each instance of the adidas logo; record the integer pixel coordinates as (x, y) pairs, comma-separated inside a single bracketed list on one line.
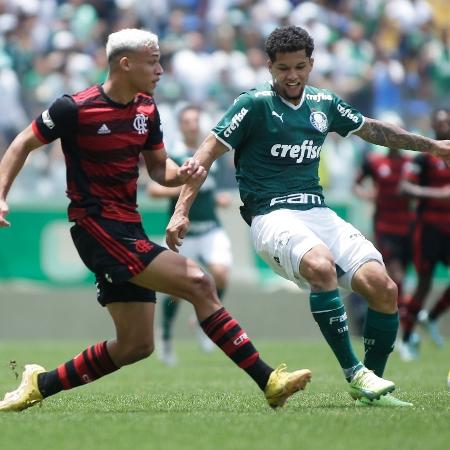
[(103, 129)]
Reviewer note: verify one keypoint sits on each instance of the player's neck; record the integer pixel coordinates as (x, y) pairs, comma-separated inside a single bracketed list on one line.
[(117, 92)]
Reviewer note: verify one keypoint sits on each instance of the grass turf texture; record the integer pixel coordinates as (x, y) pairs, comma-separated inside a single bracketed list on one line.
[(207, 403)]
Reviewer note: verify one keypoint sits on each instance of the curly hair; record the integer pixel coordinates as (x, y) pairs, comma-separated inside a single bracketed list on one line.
[(289, 39)]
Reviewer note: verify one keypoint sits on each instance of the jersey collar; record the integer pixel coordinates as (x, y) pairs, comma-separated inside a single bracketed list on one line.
[(287, 103)]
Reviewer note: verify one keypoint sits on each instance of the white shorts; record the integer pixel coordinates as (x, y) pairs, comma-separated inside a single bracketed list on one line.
[(211, 248), (282, 237)]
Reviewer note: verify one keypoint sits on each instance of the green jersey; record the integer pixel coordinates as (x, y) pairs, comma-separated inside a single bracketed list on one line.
[(202, 215), (277, 145)]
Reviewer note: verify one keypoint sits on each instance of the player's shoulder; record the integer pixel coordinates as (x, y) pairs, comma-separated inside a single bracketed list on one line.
[(258, 94), (86, 95)]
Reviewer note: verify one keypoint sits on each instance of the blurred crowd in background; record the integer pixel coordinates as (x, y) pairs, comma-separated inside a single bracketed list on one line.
[(382, 56)]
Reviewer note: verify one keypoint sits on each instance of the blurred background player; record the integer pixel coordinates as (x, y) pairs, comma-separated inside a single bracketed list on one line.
[(393, 215), (428, 180), (206, 242)]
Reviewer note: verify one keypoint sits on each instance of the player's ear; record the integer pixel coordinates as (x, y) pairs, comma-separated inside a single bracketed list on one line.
[(311, 62), (269, 64), (124, 63)]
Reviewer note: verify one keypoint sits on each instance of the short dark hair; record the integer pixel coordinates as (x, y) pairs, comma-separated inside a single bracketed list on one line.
[(287, 40)]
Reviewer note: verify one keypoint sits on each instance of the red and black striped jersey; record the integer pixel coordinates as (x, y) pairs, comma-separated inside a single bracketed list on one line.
[(101, 141), (393, 211), (428, 170)]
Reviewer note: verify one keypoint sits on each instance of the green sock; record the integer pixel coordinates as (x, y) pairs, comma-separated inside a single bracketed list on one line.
[(329, 313), (170, 309), (380, 331)]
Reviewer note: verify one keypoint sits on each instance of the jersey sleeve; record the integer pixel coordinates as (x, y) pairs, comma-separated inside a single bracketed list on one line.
[(58, 121), (236, 123), (345, 118), (155, 134)]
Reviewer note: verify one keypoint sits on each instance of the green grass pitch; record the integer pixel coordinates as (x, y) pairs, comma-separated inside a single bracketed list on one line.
[(207, 403)]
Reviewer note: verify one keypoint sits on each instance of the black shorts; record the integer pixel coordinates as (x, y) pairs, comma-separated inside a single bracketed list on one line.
[(431, 246), (115, 252), (395, 247)]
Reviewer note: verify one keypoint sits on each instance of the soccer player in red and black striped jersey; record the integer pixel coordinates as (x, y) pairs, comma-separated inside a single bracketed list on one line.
[(393, 215), (428, 180), (104, 130)]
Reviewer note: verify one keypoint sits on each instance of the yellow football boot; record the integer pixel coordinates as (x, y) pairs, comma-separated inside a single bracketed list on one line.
[(27, 394), (282, 385)]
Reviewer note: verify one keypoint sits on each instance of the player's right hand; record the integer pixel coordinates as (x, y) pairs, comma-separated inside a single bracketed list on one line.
[(4, 209), (176, 230)]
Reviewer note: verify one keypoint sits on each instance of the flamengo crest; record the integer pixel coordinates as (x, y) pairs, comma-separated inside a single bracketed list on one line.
[(319, 121), (140, 123)]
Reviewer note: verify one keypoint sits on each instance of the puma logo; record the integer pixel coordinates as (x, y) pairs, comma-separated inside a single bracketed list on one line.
[(274, 113)]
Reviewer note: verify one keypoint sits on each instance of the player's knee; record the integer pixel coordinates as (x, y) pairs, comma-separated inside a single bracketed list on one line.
[(202, 288), (319, 270), (384, 295)]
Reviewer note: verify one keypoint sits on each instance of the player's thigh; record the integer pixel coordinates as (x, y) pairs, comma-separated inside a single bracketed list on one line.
[(350, 249), (281, 238), (173, 274)]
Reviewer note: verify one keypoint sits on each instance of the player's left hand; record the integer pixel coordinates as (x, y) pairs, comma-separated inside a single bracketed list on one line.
[(191, 170), (176, 230), (441, 149)]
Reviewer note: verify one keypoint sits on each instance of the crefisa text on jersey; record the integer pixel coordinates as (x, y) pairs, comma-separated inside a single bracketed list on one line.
[(298, 152)]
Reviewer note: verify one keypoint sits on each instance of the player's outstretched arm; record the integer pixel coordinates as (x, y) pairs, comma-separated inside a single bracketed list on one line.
[(210, 149), (11, 164), (167, 172), (392, 136)]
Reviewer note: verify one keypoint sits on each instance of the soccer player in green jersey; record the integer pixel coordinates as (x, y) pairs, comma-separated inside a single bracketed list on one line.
[(206, 241), (277, 131)]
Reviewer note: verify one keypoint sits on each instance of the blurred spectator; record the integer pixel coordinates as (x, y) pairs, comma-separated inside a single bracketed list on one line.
[(377, 54), (12, 113)]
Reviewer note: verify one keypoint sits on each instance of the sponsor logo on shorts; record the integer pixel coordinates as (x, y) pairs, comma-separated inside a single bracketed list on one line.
[(235, 122), (299, 198), (297, 152)]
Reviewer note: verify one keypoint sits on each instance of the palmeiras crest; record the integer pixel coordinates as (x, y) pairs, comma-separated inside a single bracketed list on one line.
[(319, 121)]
